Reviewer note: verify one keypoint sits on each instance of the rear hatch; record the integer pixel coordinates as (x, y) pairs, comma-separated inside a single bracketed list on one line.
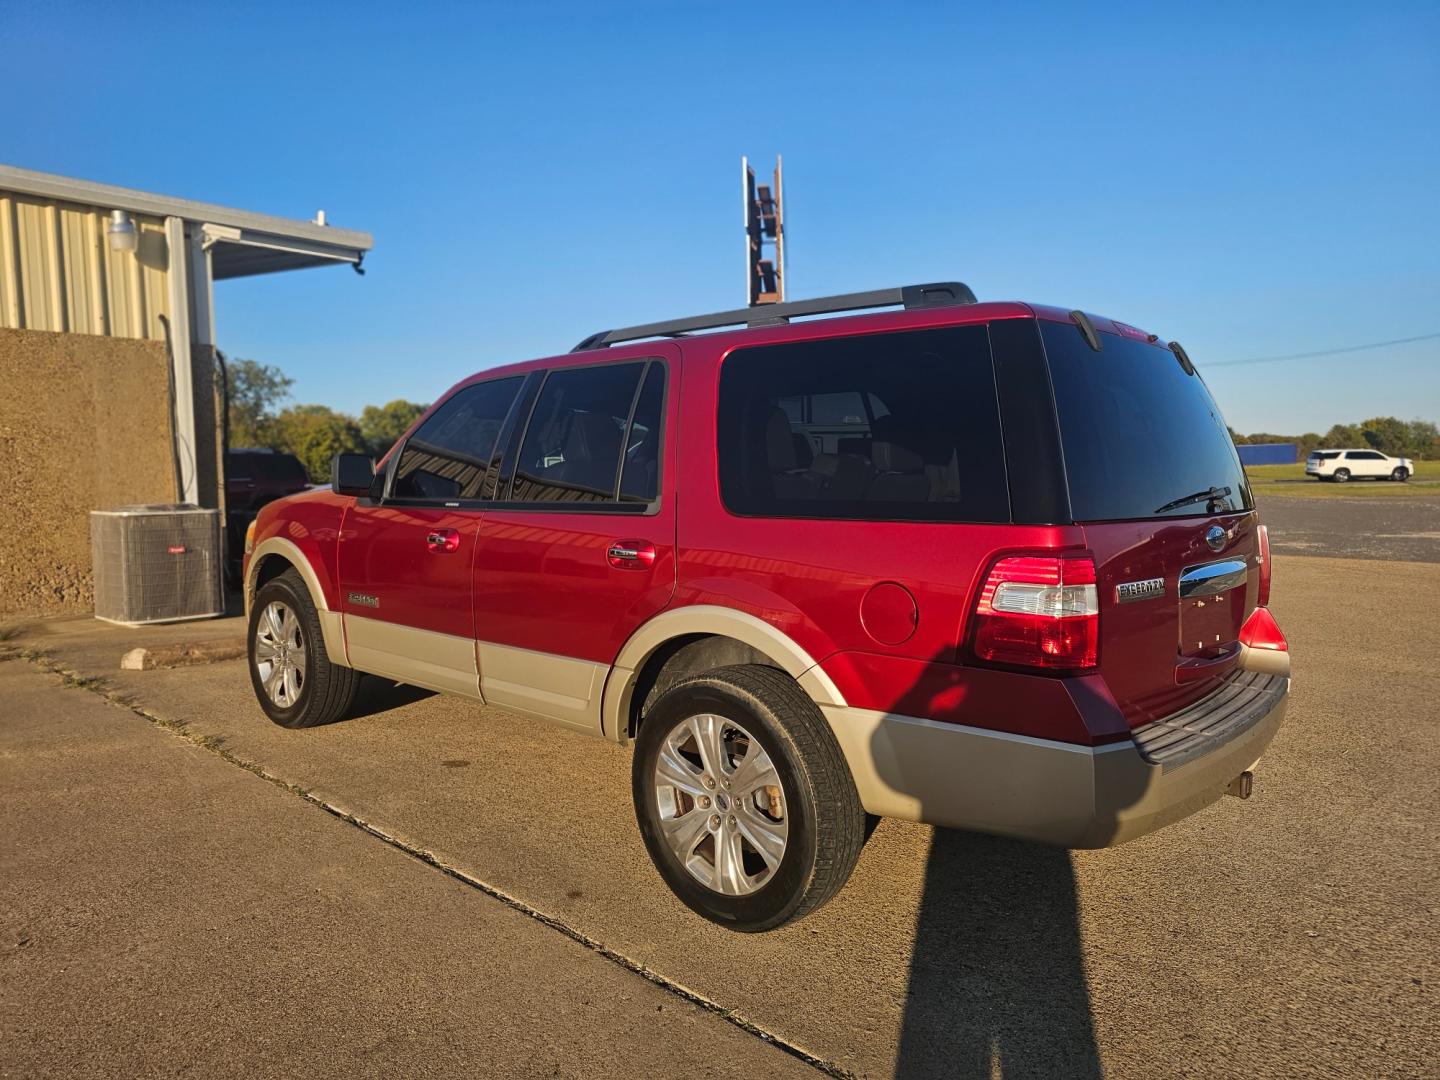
[(1156, 483)]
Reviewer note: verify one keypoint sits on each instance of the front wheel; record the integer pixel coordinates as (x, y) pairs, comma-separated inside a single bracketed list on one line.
[(294, 680), (1342, 476), (1400, 475), (744, 800)]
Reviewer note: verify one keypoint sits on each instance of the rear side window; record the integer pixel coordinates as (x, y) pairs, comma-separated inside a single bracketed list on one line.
[(454, 452), (884, 427), (1326, 455), (577, 436), (1141, 438)]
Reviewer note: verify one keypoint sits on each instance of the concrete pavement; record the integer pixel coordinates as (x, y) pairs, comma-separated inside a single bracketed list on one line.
[(1292, 935), (164, 913)]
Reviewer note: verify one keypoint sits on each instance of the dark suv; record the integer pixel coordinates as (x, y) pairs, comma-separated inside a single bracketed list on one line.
[(254, 478), (991, 566)]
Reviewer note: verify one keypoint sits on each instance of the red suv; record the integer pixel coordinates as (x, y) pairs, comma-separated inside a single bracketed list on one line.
[(991, 566)]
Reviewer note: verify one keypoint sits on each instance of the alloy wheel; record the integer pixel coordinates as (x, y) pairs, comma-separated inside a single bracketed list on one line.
[(722, 807), (280, 653)]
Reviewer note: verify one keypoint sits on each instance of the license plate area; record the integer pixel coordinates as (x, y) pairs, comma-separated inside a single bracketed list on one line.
[(1212, 607)]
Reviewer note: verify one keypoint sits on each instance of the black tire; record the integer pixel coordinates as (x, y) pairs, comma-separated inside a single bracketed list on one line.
[(328, 690), (1342, 476), (1400, 475), (827, 824)]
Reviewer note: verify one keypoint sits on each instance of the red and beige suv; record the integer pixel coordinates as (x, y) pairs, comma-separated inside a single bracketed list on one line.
[(991, 566)]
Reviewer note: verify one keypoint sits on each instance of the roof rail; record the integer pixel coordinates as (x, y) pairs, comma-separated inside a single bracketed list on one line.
[(936, 294)]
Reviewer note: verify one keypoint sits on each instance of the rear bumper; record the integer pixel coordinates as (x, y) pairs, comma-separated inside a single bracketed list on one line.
[(1059, 793)]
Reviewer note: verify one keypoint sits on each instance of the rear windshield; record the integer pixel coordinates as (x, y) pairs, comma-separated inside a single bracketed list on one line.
[(1326, 455), (1141, 438)]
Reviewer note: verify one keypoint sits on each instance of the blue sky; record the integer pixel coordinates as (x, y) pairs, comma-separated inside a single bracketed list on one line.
[(1250, 180)]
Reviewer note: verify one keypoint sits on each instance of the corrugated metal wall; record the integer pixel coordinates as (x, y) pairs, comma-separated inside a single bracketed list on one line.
[(57, 271)]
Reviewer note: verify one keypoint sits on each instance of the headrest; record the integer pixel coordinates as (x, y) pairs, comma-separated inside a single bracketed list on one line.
[(892, 457), (889, 452), (779, 445), (592, 436)]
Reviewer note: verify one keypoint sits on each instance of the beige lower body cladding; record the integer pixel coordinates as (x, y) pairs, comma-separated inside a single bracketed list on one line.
[(85, 424)]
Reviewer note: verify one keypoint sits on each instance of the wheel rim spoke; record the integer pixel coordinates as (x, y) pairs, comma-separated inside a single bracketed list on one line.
[(755, 771), (673, 769), (766, 837), (291, 683), (730, 864), (684, 832), (708, 734), (272, 684)]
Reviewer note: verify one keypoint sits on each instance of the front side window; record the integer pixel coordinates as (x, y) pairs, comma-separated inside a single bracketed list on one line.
[(578, 435), (453, 454), (880, 427)]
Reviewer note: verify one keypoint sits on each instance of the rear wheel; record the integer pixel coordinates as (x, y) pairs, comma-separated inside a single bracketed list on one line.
[(291, 672), (1342, 476), (744, 800), (1400, 475)]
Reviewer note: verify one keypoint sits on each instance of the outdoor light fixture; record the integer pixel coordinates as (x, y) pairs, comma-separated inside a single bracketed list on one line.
[(121, 230)]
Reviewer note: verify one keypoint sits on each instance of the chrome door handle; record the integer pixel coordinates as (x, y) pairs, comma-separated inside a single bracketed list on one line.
[(443, 541), (631, 554)]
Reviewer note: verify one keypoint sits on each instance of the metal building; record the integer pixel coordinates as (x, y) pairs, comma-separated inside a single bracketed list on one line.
[(100, 285)]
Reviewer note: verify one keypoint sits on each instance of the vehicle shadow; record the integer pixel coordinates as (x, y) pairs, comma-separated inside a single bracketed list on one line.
[(997, 981), (379, 695)]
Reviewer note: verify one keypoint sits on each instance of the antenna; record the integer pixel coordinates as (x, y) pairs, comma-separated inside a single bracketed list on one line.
[(764, 226)]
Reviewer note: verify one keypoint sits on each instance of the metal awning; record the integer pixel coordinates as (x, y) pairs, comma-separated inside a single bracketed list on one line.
[(242, 252), (240, 243)]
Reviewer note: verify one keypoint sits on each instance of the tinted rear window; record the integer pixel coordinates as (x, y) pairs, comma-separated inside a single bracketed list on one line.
[(1138, 433), (882, 427)]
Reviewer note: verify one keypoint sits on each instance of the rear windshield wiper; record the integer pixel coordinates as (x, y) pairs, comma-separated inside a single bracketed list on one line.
[(1209, 495)]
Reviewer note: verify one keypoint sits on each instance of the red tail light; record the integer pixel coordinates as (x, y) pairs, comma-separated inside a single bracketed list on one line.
[(1261, 631), (1039, 612), (1263, 593)]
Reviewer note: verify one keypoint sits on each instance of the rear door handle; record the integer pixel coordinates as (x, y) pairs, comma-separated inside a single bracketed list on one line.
[(631, 554), (442, 541)]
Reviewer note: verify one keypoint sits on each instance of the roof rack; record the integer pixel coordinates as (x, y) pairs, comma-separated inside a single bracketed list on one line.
[(936, 294)]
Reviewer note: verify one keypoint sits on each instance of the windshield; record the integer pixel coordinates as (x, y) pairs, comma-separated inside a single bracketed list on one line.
[(1141, 438)]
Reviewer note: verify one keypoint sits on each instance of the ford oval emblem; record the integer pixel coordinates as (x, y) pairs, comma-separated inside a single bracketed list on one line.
[(1215, 536)]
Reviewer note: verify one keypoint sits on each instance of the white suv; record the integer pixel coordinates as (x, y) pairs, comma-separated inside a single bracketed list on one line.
[(1343, 465)]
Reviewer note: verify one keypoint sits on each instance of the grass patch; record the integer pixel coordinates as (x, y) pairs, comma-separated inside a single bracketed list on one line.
[(10, 631), (1291, 482)]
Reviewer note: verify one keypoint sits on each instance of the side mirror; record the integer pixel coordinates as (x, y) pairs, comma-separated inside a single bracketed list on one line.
[(352, 474)]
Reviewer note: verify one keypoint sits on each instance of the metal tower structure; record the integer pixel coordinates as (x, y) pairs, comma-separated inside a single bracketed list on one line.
[(764, 227)]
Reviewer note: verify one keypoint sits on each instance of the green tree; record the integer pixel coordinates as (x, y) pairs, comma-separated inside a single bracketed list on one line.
[(315, 434), (1424, 439), (381, 425), (1386, 434), (256, 391), (1342, 436)]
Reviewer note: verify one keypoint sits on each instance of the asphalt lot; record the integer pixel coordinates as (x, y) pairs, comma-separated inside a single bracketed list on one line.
[(1405, 528), (1296, 934)]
